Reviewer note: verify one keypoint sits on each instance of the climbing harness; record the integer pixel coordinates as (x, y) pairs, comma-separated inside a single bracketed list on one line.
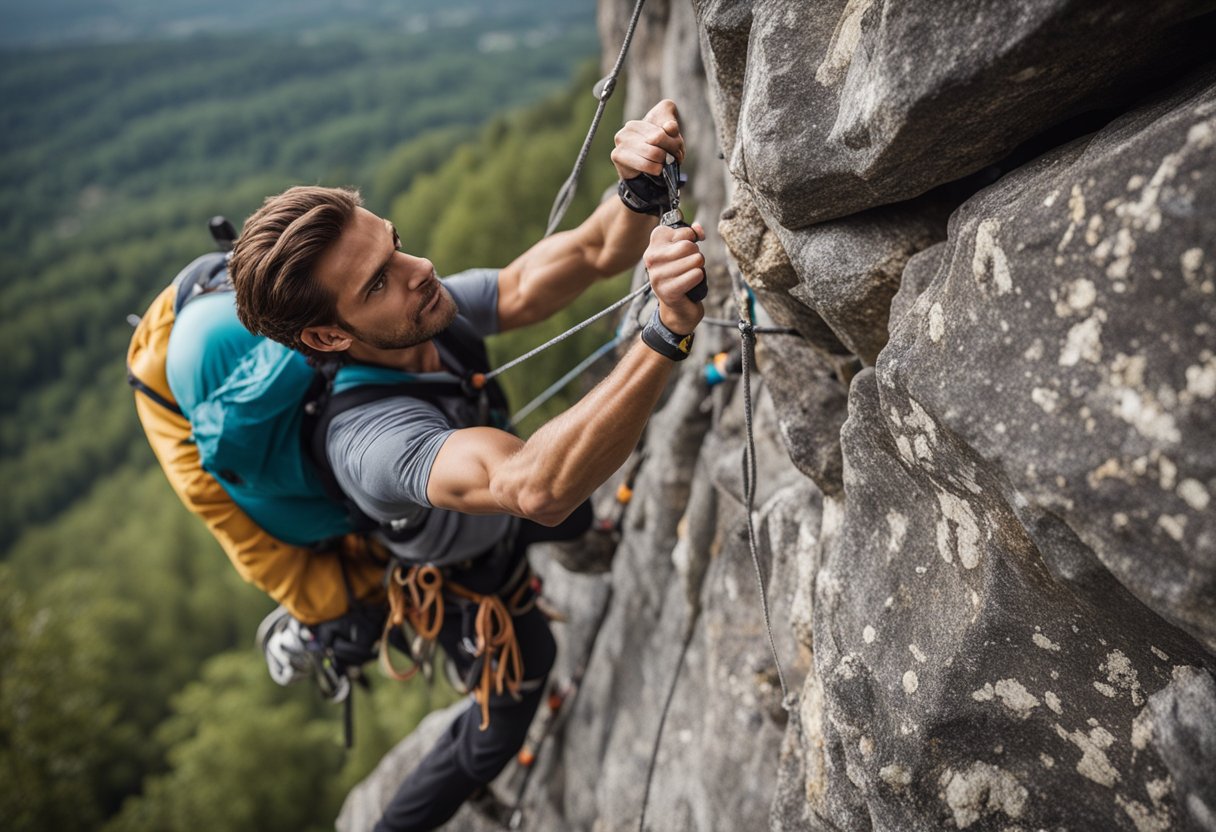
[(417, 596)]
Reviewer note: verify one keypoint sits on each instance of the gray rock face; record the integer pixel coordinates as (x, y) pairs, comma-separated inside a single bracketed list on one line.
[(1185, 735), (849, 269), (1075, 305), (847, 105), (990, 556)]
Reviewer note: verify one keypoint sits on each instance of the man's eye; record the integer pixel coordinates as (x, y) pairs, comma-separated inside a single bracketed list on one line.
[(396, 240), (379, 284)]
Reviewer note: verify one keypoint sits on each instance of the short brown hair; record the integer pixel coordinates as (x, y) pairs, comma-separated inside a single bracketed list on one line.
[(273, 261)]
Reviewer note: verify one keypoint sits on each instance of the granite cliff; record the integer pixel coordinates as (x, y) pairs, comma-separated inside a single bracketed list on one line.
[(987, 466)]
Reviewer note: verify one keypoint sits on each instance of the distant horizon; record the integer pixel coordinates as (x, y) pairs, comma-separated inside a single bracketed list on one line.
[(71, 23)]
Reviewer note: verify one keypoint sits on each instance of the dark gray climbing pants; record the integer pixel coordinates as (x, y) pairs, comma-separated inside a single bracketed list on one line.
[(465, 758)]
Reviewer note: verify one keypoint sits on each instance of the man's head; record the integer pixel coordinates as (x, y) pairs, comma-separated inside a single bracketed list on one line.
[(316, 271)]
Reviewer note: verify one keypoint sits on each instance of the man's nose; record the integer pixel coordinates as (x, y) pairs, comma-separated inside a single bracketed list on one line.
[(420, 272)]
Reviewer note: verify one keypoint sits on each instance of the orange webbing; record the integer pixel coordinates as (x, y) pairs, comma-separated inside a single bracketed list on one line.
[(423, 609), (495, 640), (415, 595)]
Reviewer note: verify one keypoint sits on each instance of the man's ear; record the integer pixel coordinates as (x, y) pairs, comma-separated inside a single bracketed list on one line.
[(326, 338)]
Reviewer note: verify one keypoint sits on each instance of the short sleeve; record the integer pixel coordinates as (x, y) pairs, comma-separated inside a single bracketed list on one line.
[(476, 294), (382, 453)]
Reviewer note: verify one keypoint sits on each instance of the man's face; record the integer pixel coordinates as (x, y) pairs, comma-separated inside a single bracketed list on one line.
[(386, 299)]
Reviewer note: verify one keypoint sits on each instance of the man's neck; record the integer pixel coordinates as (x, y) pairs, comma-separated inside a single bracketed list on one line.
[(423, 358)]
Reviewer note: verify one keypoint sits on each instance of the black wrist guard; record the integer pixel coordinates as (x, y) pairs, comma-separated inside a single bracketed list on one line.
[(643, 195), (665, 342)]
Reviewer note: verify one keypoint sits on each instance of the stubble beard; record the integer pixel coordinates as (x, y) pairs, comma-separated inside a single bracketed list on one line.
[(424, 327)]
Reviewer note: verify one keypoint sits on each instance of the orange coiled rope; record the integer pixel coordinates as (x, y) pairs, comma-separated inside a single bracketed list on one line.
[(415, 596), (422, 609), (496, 645)]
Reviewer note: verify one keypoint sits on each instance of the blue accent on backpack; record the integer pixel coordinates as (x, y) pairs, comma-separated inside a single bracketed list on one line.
[(243, 396)]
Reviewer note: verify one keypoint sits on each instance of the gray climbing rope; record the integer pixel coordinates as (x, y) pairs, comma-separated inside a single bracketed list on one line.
[(641, 290), (747, 336), (603, 91), (554, 388)]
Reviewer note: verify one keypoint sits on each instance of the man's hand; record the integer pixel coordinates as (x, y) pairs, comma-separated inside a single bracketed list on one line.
[(642, 146), (353, 637), (675, 265)]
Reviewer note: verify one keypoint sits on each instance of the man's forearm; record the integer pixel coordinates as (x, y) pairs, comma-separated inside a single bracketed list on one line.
[(555, 271), (568, 458)]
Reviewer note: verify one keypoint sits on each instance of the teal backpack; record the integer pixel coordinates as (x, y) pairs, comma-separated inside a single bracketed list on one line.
[(259, 411)]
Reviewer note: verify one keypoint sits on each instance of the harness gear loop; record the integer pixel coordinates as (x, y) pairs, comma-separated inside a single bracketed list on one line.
[(422, 610), (416, 597)]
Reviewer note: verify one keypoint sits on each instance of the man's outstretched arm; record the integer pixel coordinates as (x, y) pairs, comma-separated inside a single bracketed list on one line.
[(551, 274), (486, 471)]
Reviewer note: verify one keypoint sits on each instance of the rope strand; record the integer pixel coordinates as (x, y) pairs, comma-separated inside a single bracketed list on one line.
[(554, 388), (747, 337), (576, 328), (654, 752), (605, 88)]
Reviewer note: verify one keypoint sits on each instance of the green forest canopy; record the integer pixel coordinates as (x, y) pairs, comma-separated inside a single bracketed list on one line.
[(129, 696)]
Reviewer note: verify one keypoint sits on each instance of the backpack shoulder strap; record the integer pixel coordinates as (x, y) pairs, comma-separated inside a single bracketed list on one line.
[(320, 411)]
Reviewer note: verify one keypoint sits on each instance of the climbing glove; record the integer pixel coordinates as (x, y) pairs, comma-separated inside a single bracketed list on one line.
[(352, 638)]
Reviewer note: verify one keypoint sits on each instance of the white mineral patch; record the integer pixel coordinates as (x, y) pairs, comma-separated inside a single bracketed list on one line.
[(1053, 702), (1093, 230), (1106, 690), (1094, 763), (1121, 674), (1192, 262), (1161, 654), (982, 789), (943, 541), (1015, 697), (1158, 789), (1167, 473), (1047, 760), (1050, 199), (966, 530), (1201, 379), (845, 667), (937, 323), (911, 683), (866, 746), (1084, 341), (990, 257), (1144, 818), (1044, 642), (1034, 352), (984, 694), (905, 449), (1076, 297), (844, 43), (898, 525), (867, 634), (895, 775), (921, 446), (1173, 524), (1193, 492), (1143, 412), (1045, 398), (920, 419), (917, 653), (1142, 729), (1076, 205)]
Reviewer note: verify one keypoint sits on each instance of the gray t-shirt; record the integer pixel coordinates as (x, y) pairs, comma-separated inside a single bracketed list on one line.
[(382, 452)]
